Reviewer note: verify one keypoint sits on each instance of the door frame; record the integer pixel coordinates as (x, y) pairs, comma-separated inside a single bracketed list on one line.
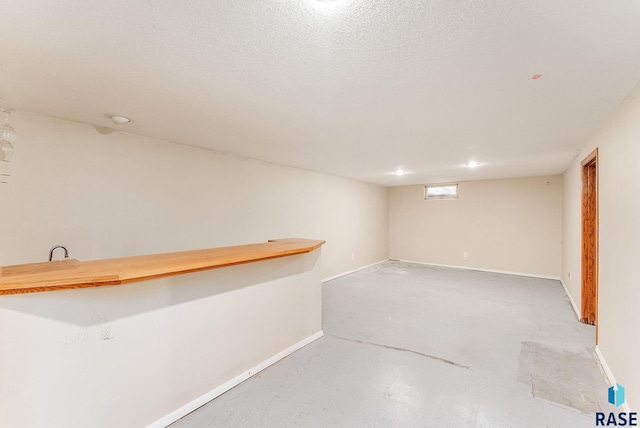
[(591, 161)]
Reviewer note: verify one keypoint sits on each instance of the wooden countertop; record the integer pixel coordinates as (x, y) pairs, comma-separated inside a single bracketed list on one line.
[(71, 273)]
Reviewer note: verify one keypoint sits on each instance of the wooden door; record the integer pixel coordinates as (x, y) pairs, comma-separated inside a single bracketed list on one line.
[(590, 240)]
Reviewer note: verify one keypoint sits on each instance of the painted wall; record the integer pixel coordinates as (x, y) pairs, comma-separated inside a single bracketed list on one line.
[(129, 355), (115, 195), (512, 225), (619, 248)]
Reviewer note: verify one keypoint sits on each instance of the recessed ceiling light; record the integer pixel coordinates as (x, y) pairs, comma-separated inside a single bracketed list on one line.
[(472, 164), (399, 172), (118, 120)]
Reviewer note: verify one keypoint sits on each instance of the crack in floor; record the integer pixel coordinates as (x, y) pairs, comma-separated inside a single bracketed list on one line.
[(395, 348)]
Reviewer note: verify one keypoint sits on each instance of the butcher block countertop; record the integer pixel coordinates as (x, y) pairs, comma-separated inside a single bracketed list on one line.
[(71, 273)]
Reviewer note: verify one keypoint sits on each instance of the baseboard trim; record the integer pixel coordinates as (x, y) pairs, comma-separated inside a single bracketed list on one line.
[(204, 399), (504, 272), (609, 374), (331, 278), (573, 304)]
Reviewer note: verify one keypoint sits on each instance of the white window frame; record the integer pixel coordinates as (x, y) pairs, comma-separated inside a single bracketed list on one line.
[(432, 186)]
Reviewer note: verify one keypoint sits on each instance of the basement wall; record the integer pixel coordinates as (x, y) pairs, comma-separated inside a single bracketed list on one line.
[(147, 353), (618, 144), (511, 225), (116, 195)]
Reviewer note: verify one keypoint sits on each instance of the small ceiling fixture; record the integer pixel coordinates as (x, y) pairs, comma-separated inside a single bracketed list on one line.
[(472, 164), (326, 6), (118, 120), (399, 172)]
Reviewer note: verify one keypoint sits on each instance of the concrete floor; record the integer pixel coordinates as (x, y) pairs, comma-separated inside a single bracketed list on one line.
[(417, 346)]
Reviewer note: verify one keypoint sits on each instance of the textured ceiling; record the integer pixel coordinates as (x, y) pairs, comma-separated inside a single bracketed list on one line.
[(357, 88)]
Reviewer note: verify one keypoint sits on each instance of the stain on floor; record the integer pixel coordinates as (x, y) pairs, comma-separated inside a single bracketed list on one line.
[(572, 379)]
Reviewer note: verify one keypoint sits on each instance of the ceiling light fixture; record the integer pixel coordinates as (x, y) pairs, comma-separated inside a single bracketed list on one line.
[(118, 120), (326, 6), (399, 172), (8, 137), (472, 164)]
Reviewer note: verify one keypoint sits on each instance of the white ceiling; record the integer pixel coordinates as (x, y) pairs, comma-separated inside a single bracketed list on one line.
[(357, 88)]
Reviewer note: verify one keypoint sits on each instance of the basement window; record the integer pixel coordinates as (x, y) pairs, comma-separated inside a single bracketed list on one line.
[(442, 191)]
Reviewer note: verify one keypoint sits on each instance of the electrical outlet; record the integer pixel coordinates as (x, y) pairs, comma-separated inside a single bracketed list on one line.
[(465, 254)]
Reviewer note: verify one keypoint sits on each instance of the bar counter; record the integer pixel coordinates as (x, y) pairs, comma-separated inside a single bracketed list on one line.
[(72, 273)]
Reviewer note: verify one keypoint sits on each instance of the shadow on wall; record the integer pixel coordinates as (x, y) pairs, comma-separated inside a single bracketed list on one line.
[(88, 307)]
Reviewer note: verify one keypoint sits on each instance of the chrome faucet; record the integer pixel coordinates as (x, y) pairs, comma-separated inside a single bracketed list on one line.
[(66, 253)]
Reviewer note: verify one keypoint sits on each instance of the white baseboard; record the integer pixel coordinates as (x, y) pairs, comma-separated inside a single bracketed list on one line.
[(204, 399), (505, 272), (605, 366), (609, 374), (573, 304), (352, 271)]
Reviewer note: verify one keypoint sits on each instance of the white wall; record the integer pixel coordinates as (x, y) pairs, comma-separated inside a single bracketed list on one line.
[(129, 355), (512, 225), (619, 248), (118, 195)]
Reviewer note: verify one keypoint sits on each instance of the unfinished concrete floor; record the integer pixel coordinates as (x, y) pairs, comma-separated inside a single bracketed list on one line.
[(408, 345)]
